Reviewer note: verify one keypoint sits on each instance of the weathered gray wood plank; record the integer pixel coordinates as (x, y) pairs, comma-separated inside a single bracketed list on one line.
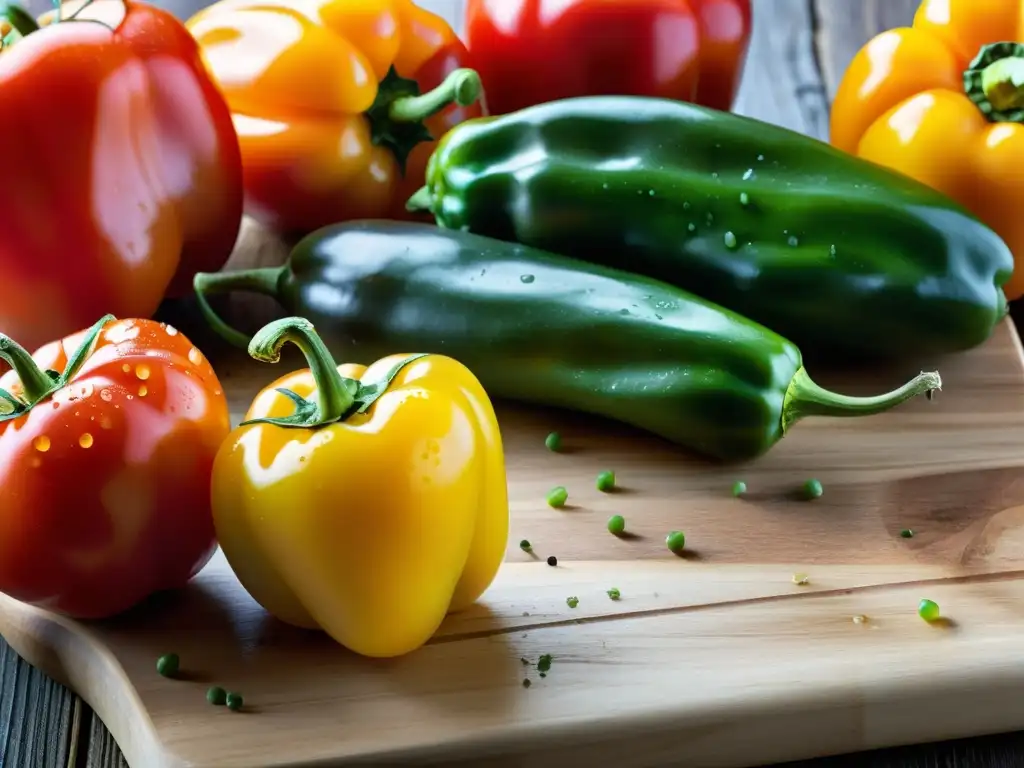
[(843, 26), (782, 83), (37, 716)]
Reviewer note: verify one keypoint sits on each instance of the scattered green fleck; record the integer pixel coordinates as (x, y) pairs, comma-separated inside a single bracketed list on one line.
[(744, 198), (167, 665), (543, 674), (544, 663), (525, 545), (928, 610), (572, 602), (606, 481), (552, 560), (614, 593), (616, 525), (730, 240), (525, 661), (234, 701), (906, 533), (557, 496), (553, 442), (675, 541), (801, 579), (813, 489), (216, 696), (860, 618), (526, 682), (739, 488)]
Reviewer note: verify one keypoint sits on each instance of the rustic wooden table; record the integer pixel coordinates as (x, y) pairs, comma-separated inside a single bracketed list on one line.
[(797, 56)]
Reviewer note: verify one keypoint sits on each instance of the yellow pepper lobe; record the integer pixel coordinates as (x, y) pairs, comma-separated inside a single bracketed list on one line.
[(372, 527)]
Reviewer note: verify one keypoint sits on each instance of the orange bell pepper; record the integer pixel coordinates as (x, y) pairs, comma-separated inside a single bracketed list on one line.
[(943, 102), (337, 103)]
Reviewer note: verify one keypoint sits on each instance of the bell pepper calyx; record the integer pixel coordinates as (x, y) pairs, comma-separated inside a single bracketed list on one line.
[(421, 200), (21, 22), (994, 81), (806, 398), (397, 113), (38, 384), (337, 397), (265, 281)]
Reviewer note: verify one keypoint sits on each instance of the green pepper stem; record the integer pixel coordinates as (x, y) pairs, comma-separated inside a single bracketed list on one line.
[(19, 19), (264, 281), (35, 382), (994, 81), (334, 394), (421, 200), (805, 398), (461, 87)]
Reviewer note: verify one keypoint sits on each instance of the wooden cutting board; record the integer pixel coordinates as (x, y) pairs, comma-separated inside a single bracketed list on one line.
[(716, 658)]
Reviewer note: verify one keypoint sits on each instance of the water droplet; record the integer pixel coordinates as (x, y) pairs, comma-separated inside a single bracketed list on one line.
[(686, 206), (730, 240), (711, 219), (142, 372), (832, 250), (605, 185), (714, 175), (143, 390), (650, 192), (659, 317), (749, 174), (85, 440), (126, 368), (41, 443), (691, 227), (623, 311), (526, 278), (793, 241), (744, 198), (131, 397), (171, 330), (195, 356), (760, 158), (106, 395), (217, 393)]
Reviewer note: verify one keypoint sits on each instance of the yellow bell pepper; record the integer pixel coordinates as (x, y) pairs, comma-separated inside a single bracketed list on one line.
[(367, 502)]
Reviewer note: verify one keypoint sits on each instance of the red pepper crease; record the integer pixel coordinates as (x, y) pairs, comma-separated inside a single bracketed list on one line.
[(533, 51), (122, 166)]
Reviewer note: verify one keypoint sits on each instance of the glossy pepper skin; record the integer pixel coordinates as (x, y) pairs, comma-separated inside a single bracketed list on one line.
[(532, 51), (845, 258), (943, 102), (546, 329), (124, 167), (105, 466), (368, 502), (323, 96)]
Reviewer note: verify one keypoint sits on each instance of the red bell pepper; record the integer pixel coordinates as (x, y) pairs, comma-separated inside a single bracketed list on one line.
[(123, 167), (107, 444), (532, 51)]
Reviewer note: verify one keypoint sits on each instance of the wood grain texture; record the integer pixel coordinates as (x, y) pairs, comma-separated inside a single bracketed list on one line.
[(700, 649)]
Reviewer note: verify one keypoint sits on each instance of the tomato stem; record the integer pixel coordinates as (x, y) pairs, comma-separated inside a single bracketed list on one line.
[(334, 393), (461, 87), (994, 81), (35, 382)]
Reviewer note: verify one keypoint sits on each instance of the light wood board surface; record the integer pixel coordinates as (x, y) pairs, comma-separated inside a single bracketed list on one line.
[(716, 658)]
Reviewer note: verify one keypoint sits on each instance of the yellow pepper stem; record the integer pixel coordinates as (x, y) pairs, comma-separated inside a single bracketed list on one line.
[(334, 393), (994, 81), (337, 397)]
